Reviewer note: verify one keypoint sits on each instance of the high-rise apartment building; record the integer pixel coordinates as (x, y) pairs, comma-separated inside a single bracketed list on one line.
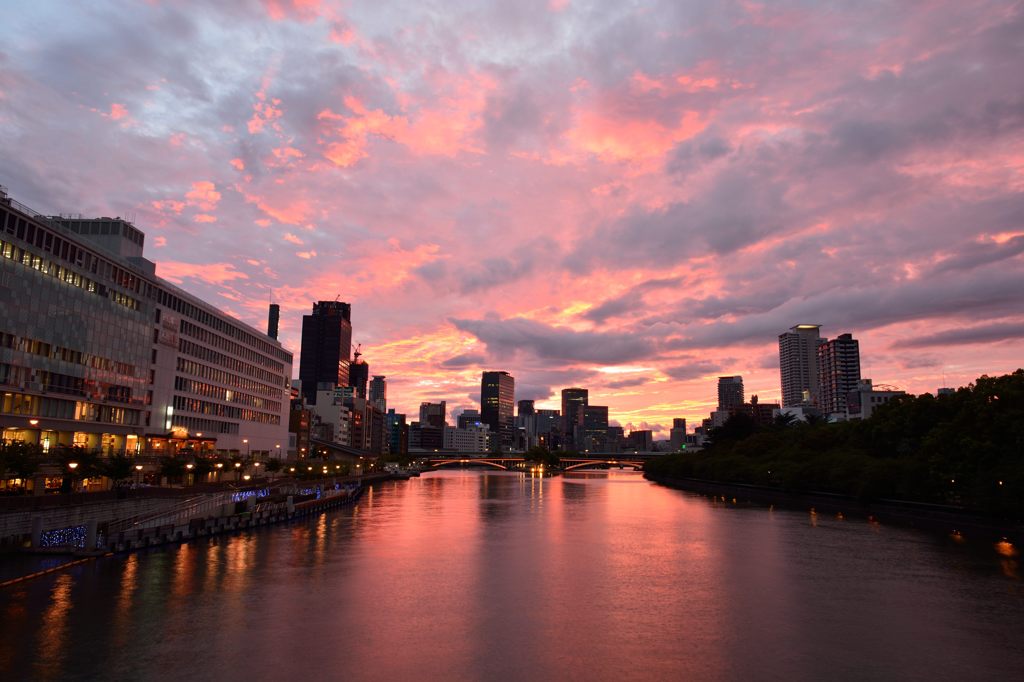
[(326, 348), (730, 392), (798, 364), (838, 372), (497, 402)]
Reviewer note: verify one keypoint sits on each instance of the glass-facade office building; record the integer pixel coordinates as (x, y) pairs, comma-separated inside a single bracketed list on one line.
[(97, 351)]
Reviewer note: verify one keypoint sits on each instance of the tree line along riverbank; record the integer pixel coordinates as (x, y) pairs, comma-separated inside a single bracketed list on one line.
[(963, 450)]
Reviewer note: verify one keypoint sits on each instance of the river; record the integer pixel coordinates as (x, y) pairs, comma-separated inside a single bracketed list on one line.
[(470, 575)]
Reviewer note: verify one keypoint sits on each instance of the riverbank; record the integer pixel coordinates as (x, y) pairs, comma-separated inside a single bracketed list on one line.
[(962, 523)]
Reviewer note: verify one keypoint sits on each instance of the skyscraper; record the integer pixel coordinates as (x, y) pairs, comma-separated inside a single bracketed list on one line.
[(573, 400), (730, 392), (526, 408), (358, 375), (592, 428), (326, 347), (497, 401), (379, 392), (838, 372), (798, 364)]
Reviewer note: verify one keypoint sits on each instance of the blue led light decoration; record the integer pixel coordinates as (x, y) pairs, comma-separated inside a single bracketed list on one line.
[(73, 536)]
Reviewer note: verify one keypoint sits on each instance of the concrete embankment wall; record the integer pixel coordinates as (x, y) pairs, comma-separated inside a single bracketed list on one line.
[(16, 526), (929, 517)]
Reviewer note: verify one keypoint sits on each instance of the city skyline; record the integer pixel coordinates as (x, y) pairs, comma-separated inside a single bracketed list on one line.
[(633, 217)]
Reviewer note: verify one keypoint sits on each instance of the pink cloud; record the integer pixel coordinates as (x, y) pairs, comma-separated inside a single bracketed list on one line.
[(203, 195)]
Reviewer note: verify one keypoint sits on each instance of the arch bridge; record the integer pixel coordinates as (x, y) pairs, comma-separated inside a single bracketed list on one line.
[(507, 463)]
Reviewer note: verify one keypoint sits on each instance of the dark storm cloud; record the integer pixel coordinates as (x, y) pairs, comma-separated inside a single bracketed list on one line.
[(986, 333), (464, 360), (505, 338), (692, 370), (630, 302)]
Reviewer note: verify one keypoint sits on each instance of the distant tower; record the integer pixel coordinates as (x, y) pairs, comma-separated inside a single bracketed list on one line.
[(358, 374), (838, 372), (433, 414), (526, 408), (798, 364), (730, 392), (379, 392), (273, 320), (497, 401), (573, 400), (326, 345)]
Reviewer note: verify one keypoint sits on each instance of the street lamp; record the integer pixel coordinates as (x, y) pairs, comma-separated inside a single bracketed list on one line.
[(72, 466), (190, 466), (246, 442), (138, 469)]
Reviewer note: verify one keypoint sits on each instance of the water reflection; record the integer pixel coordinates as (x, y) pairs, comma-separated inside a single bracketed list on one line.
[(480, 575), (52, 635)]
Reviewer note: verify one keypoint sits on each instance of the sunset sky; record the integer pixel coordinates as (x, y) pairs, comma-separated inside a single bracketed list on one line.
[(632, 197)]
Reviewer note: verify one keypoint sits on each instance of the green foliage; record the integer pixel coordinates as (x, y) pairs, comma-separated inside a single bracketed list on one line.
[(273, 465), (966, 449)]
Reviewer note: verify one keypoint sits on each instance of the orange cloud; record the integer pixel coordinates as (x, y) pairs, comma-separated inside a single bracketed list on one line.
[(204, 218), (238, 164), (289, 237)]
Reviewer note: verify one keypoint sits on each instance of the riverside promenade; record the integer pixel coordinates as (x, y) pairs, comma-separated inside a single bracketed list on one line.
[(84, 527)]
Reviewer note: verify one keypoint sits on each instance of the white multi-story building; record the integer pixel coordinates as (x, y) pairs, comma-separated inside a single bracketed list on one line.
[(470, 439), (331, 410), (863, 400)]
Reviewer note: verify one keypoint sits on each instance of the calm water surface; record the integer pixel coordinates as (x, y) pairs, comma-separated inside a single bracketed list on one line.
[(465, 575)]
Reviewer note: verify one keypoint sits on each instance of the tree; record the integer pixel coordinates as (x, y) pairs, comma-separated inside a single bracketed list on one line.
[(172, 468), (20, 459), (117, 468), (540, 454)]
